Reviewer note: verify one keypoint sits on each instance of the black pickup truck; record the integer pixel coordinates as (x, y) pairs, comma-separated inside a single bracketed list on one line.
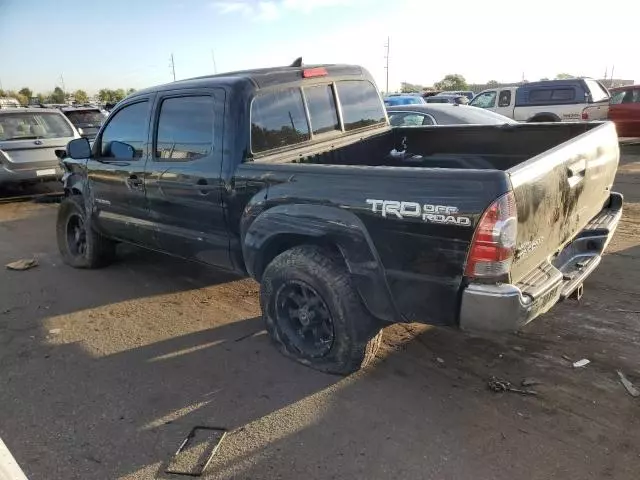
[(293, 176)]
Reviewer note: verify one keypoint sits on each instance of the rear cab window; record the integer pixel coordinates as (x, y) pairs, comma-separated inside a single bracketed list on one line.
[(285, 117)]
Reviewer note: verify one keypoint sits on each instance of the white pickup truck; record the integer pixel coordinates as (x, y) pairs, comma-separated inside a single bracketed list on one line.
[(548, 101)]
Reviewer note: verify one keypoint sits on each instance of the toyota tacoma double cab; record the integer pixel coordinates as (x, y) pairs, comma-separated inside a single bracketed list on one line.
[(293, 176)]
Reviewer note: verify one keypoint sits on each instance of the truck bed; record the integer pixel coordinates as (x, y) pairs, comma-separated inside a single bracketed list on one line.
[(478, 147)]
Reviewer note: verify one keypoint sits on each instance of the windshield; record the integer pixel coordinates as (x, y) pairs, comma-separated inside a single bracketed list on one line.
[(85, 117), (17, 126)]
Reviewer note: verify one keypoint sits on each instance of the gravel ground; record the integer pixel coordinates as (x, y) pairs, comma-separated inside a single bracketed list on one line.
[(104, 373)]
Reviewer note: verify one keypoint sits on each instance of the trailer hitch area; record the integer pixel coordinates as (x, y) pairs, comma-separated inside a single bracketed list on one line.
[(578, 292)]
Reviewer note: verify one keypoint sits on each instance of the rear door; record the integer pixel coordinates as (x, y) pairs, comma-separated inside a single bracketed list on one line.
[(559, 191), (183, 175), (116, 173), (29, 141)]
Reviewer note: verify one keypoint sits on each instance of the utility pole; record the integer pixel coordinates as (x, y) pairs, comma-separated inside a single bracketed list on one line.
[(612, 69), (173, 68), (213, 57), (387, 65)]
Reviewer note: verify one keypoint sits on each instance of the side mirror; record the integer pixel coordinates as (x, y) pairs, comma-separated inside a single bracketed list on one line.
[(122, 150), (79, 148)]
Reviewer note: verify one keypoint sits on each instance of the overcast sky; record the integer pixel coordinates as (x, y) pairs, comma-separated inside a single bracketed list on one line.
[(128, 43)]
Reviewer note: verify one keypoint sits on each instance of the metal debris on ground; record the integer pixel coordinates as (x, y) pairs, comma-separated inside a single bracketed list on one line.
[(633, 391), (530, 382), (440, 360), (500, 385), (22, 264), (581, 363), (196, 451)]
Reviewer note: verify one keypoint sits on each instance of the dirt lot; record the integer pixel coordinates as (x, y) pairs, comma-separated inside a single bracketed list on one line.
[(103, 374)]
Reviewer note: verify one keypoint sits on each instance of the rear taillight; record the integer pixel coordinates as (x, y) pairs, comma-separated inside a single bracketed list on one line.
[(494, 241), (585, 115)]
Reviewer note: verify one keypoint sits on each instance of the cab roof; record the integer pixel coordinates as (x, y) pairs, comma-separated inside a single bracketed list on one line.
[(260, 78)]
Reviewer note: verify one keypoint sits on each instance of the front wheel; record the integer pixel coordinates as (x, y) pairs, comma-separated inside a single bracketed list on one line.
[(314, 314), (79, 244)]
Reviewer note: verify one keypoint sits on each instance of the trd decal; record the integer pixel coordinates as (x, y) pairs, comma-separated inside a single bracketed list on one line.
[(443, 214)]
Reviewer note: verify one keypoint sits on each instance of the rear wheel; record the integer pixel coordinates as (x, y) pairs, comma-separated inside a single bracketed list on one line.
[(314, 314), (79, 244)]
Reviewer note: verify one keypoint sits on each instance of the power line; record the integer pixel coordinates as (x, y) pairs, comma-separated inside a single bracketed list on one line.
[(387, 65), (173, 68)]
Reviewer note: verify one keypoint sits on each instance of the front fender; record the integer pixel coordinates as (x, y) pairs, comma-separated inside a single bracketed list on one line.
[(322, 224), (73, 177)]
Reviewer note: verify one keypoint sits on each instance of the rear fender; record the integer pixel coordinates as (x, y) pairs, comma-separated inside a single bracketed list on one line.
[(285, 226), (544, 115)]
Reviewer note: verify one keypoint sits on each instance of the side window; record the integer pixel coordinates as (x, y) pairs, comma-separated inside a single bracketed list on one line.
[(504, 100), (185, 128), (628, 97), (617, 97), (540, 95), (563, 94), (128, 125), (278, 119), (361, 105), (485, 100), (636, 95), (322, 109)]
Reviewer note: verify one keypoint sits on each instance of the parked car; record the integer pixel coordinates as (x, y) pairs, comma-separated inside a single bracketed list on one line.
[(87, 120), (29, 138), (408, 99), (8, 102), (548, 101), (465, 93), (454, 99), (443, 114), (290, 175), (624, 110)]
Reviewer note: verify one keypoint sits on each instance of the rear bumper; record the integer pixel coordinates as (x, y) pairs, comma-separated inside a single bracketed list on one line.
[(507, 307), (30, 175)]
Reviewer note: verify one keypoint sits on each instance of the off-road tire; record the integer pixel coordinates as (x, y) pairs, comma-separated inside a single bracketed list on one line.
[(99, 250), (356, 333)]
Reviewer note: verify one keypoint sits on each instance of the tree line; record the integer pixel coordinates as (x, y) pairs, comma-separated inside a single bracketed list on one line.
[(455, 81), (106, 95)]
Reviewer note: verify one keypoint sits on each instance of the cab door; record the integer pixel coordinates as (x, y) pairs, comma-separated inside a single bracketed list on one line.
[(116, 173), (506, 99), (183, 175), (625, 112)]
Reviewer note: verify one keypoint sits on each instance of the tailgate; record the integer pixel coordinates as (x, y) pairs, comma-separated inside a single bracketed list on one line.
[(559, 191)]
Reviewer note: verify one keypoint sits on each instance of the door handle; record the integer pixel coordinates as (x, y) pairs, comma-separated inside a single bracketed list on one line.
[(134, 182), (202, 185)]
